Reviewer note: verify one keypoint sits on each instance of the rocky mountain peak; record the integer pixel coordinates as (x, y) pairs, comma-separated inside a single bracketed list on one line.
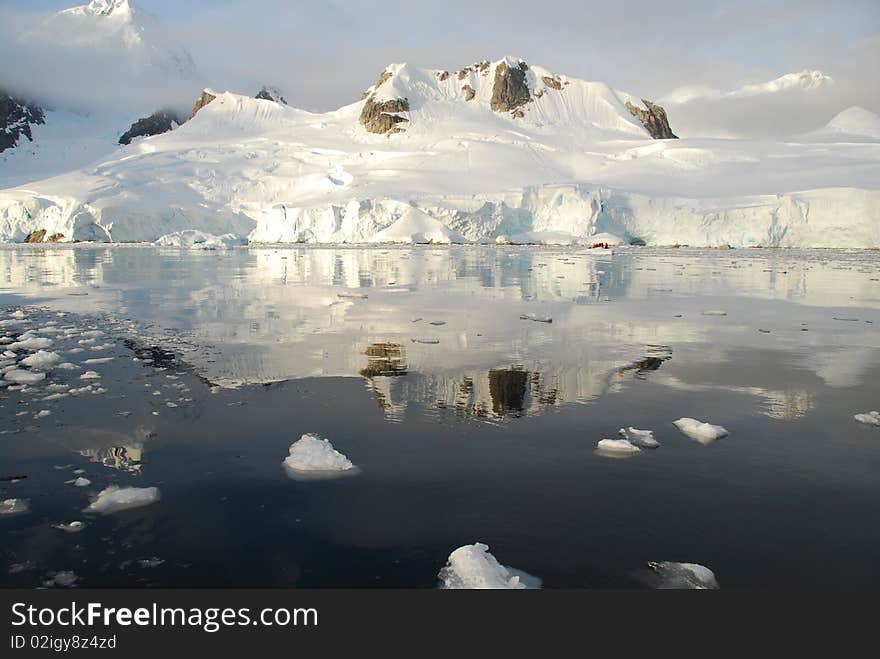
[(108, 7), (510, 90), (268, 93)]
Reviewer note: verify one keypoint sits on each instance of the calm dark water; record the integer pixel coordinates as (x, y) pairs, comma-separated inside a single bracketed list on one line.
[(482, 428)]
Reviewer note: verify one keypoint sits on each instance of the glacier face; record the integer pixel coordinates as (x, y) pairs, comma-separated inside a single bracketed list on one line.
[(569, 164)]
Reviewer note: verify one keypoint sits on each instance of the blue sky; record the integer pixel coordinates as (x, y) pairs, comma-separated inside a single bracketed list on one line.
[(322, 53)]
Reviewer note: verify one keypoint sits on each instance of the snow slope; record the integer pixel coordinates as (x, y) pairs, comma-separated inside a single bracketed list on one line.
[(575, 164)]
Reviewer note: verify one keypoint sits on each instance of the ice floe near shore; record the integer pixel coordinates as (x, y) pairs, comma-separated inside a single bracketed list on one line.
[(313, 456), (705, 433), (869, 418), (114, 498), (472, 567)]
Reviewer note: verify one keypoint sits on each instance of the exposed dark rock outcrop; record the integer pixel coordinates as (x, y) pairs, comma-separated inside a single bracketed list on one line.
[(16, 118), (383, 117), (36, 236), (271, 94), (469, 92), (510, 89), (553, 83), (653, 119), (443, 76), (55, 238), (204, 99), (156, 124)]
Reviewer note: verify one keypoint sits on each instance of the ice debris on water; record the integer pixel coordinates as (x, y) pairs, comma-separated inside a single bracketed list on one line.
[(115, 498), (80, 481), (871, 418), (684, 576), (705, 433), (714, 312), (15, 506), (472, 567), (311, 454), (72, 527), (640, 438), (616, 447), (64, 579), (89, 375), (536, 318), (20, 376), (41, 360)]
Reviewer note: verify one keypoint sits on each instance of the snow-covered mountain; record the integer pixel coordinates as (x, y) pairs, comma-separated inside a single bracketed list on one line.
[(138, 44), (498, 151), (790, 104), (92, 71)]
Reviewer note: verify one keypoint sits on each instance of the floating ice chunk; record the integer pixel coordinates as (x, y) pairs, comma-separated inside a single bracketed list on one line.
[(67, 366), (99, 360), (427, 342), (73, 527), (640, 438), (352, 296), (9, 507), (313, 455), (65, 579), (536, 318), (472, 567), (79, 482), (616, 447), (684, 576), (705, 433), (150, 563), (20, 376), (42, 414), (41, 360), (89, 375), (714, 312), (115, 498), (30, 343), (870, 418)]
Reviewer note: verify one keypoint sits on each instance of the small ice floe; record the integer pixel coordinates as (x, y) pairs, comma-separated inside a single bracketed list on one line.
[(536, 318), (63, 579), (149, 563), (9, 507), (99, 360), (20, 376), (683, 576), (640, 438), (42, 414), (73, 527), (57, 396), (89, 375), (714, 312), (115, 498), (472, 567), (870, 418), (79, 481), (41, 360), (352, 296), (616, 448), (427, 342), (67, 366), (705, 433), (312, 456)]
